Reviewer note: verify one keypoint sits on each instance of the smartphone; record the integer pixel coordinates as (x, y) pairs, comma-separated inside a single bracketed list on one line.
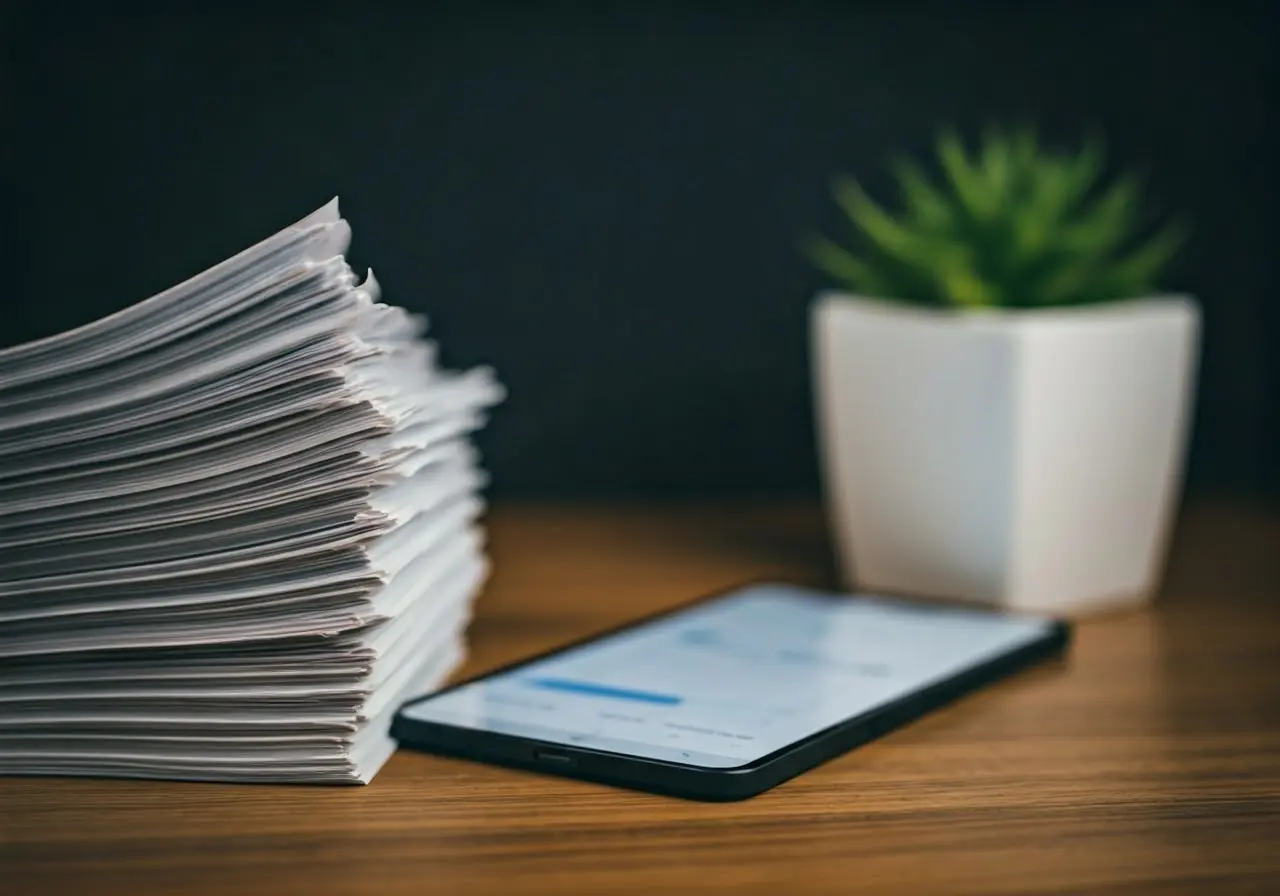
[(731, 695)]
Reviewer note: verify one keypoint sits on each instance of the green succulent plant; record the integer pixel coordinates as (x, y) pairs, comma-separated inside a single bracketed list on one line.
[(1013, 226)]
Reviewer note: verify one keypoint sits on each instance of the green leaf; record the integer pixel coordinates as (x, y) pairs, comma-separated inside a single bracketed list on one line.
[(1024, 149), (965, 289), (848, 269), (884, 231), (926, 206), (1103, 226), (1084, 170), (1138, 271), (967, 182), (997, 166), (1066, 285), (1056, 187)]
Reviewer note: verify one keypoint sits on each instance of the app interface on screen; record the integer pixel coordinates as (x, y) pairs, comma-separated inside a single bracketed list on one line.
[(733, 679)]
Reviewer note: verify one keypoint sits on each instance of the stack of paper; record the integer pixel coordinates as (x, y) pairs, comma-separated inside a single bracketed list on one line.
[(238, 525)]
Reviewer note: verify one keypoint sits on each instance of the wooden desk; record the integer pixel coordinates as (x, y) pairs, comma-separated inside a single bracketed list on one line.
[(1151, 761)]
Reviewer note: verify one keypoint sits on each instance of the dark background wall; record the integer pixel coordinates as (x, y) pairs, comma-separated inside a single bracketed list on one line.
[(603, 200)]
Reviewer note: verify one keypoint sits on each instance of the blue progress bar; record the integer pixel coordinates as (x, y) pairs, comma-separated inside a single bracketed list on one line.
[(600, 690)]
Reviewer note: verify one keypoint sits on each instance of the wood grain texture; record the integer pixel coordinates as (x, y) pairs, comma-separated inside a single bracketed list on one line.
[(1148, 761)]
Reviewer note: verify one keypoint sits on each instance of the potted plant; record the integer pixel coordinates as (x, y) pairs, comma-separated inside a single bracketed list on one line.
[(1003, 397)]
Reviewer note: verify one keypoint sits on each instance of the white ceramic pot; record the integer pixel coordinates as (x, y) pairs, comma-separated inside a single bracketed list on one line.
[(1030, 459)]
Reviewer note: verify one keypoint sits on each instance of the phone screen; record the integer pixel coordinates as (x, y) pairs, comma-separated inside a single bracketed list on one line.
[(731, 680)]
